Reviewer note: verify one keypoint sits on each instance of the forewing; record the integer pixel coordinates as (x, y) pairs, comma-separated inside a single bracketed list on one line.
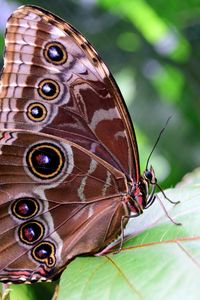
[(87, 109)]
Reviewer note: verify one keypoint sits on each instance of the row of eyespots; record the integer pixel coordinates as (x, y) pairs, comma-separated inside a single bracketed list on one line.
[(31, 231), (54, 53), (45, 161)]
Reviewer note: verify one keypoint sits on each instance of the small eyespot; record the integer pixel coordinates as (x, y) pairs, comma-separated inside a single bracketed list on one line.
[(55, 53), (83, 46), (48, 89), (95, 61), (31, 232), (45, 160), (44, 252), (24, 208), (36, 112)]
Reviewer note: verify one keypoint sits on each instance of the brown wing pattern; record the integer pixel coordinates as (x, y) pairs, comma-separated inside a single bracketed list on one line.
[(76, 211), (88, 108)]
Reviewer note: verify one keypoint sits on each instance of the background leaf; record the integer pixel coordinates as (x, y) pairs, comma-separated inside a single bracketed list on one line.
[(37, 291)]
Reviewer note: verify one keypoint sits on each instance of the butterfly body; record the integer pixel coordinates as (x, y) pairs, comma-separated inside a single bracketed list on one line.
[(69, 165)]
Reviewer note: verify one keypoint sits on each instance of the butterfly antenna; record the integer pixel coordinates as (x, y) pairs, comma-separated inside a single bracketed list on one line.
[(158, 138), (157, 185)]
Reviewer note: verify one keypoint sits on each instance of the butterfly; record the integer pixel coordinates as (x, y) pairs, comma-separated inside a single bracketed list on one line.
[(69, 164)]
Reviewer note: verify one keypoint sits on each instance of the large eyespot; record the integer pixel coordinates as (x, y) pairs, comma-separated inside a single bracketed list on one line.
[(45, 160), (48, 89), (55, 53), (44, 252), (24, 208), (31, 232), (36, 112)]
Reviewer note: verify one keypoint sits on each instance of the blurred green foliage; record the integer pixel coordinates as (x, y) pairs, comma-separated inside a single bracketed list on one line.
[(152, 49)]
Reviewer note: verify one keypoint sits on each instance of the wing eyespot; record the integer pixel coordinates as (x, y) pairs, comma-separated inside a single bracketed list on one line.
[(36, 112), (48, 89), (55, 53), (45, 161), (44, 252), (31, 232), (24, 208)]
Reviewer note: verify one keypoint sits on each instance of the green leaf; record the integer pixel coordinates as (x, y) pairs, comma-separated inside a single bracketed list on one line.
[(192, 178), (36, 291), (160, 262)]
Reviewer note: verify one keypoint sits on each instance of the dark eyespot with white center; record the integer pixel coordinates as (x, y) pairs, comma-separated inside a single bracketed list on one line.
[(55, 53), (36, 112), (48, 89)]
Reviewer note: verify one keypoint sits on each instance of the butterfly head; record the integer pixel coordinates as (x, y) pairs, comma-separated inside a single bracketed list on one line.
[(149, 176)]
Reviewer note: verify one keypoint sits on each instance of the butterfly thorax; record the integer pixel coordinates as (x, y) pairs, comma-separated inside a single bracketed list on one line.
[(142, 193)]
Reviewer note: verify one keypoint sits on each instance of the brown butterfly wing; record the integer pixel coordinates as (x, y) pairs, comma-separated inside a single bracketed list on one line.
[(58, 103), (88, 110)]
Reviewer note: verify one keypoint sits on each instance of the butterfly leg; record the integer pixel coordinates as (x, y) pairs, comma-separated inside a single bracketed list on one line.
[(152, 198), (171, 219), (164, 195), (123, 220)]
